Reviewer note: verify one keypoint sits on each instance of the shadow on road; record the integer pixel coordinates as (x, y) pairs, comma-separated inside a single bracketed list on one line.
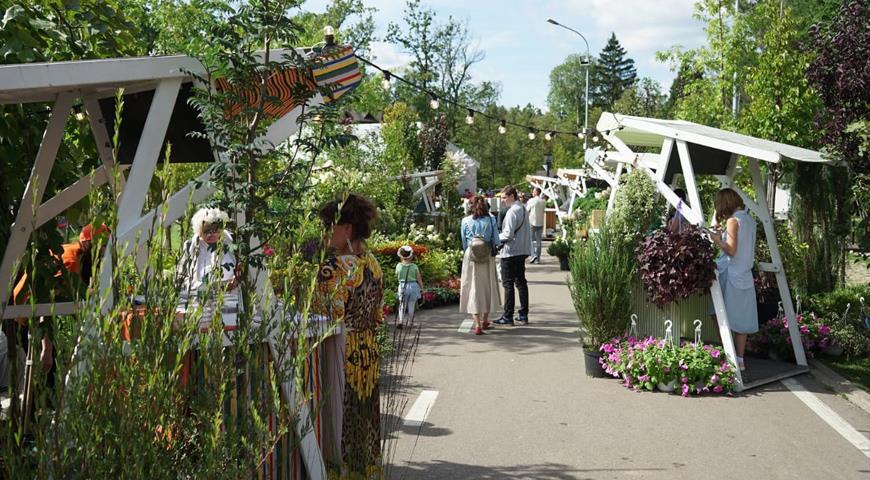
[(543, 471)]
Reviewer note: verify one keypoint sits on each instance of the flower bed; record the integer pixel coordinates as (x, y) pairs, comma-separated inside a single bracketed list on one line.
[(773, 336), (644, 364)]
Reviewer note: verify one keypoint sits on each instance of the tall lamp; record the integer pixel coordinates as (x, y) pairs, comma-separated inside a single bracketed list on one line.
[(587, 63)]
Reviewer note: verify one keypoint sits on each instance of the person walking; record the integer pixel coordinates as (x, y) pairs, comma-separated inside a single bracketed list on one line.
[(735, 236), (478, 290), (516, 239), (535, 207), (410, 286)]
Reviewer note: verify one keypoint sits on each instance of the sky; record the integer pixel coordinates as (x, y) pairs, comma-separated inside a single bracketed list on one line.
[(521, 47)]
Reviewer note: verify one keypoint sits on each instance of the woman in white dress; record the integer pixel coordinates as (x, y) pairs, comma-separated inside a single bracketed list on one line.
[(736, 240), (479, 292)]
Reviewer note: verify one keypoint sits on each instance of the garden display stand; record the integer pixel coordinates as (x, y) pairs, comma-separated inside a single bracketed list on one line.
[(156, 110), (690, 149)]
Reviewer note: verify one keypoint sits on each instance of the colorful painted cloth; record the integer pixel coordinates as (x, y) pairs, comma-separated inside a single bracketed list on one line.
[(351, 290)]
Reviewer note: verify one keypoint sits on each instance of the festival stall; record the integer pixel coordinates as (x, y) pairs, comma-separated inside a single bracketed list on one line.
[(688, 150), (156, 94)]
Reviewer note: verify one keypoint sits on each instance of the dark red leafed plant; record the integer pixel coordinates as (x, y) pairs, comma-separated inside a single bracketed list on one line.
[(673, 266)]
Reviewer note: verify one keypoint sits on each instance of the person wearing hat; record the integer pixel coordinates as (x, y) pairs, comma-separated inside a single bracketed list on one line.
[(206, 255), (410, 286), (76, 272)]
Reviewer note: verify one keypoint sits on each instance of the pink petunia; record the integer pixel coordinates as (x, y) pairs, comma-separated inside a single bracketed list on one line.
[(685, 390), (715, 353), (718, 389)]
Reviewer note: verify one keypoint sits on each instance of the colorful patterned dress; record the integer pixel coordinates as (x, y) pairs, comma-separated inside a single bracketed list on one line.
[(354, 289)]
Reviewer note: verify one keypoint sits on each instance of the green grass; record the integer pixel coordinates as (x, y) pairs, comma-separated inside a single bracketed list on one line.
[(856, 370)]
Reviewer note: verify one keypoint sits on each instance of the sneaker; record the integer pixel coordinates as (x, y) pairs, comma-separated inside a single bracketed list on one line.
[(524, 319), (478, 331), (504, 321)]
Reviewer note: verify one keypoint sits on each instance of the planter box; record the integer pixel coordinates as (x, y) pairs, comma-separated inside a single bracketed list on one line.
[(651, 319)]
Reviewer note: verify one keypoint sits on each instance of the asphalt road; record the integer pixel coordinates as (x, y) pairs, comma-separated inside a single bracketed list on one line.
[(516, 404)]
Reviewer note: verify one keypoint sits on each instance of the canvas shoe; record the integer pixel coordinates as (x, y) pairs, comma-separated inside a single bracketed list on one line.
[(504, 321)]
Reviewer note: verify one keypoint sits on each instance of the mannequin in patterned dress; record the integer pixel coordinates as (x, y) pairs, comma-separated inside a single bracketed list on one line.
[(351, 290)]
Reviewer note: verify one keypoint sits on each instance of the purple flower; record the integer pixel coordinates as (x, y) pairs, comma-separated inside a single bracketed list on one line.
[(643, 378), (715, 353), (718, 389), (683, 366), (685, 390), (714, 378), (824, 330), (684, 379)]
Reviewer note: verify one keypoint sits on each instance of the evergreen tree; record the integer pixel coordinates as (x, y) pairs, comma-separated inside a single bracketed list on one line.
[(685, 75), (613, 74)]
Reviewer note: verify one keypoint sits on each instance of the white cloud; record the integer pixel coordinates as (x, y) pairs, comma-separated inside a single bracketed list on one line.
[(387, 55)]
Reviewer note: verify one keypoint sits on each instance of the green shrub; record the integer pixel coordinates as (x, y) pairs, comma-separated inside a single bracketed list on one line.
[(634, 210), (600, 283), (833, 304), (559, 248)]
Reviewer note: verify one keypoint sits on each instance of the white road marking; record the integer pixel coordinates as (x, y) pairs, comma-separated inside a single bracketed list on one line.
[(466, 325), (830, 417), (420, 409)]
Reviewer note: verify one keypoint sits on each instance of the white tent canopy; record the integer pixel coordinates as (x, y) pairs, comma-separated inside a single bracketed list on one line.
[(690, 149)]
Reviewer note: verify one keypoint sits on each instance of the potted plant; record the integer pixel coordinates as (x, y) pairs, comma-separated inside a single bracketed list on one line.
[(600, 285), (560, 248), (673, 266)]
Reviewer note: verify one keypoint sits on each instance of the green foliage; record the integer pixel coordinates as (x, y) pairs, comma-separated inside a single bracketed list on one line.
[(439, 265), (635, 207), (567, 88), (793, 253), (613, 73), (644, 99), (833, 304), (600, 283), (560, 248)]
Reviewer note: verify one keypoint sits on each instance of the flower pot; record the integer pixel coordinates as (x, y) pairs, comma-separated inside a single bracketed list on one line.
[(833, 350), (563, 263), (667, 387), (593, 366)]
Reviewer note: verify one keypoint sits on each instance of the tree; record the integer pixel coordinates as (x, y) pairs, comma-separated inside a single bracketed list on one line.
[(645, 99), (685, 74), (568, 89), (613, 74)]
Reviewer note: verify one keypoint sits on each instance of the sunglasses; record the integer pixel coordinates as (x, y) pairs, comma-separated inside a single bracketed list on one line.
[(212, 229)]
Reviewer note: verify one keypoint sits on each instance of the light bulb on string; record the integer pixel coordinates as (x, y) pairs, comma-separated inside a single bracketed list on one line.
[(548, 136), (469, 119), (531, 133), (386, 81), (433, 102), (580, 135), (501, 127), (595, 138)]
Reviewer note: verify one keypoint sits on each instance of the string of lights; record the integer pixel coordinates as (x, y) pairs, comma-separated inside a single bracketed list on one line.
[(472, 113)]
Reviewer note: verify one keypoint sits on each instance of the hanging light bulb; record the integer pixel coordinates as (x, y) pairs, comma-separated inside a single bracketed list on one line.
[(580, 135), (595, 138), (501, 127), (548, 136), (386, 81), (469, 119), (433, 102), (531, 133)]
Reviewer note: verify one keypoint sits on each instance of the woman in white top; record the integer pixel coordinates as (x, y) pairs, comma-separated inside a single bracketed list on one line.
[(207, 251), (736, 239)]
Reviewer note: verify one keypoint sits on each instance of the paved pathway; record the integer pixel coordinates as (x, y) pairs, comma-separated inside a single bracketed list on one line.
[(515, 404)]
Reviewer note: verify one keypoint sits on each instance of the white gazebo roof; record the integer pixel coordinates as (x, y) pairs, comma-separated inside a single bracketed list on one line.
[(651, 132)]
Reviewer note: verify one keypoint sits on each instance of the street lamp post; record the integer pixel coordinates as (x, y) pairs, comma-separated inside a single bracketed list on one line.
[(586, 99)]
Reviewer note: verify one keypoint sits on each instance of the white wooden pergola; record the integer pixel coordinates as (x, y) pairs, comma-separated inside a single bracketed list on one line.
[(426, 183), (92, 82), (691, 149), (568, 185)]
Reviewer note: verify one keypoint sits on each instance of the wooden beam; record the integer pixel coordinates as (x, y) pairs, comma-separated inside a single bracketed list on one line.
[(104, 144), (28, 209)]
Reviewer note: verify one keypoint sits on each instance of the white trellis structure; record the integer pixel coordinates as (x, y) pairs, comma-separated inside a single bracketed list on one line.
[(691, 149), (568, 185), (167, 80), (426, 183)]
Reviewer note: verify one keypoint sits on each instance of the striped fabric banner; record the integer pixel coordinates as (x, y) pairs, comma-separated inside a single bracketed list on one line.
[(337, 71)]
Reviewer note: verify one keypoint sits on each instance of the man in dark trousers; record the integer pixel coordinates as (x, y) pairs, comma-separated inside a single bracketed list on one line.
[(516, 242)]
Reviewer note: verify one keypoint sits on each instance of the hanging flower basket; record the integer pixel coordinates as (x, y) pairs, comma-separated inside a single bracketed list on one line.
[(673, 266)]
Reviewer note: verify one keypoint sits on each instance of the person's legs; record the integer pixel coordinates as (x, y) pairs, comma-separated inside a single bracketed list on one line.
[(507, 282), (522, 287), (537, 235), (409, 314), (478, 324), (485, 320), (739, 345)]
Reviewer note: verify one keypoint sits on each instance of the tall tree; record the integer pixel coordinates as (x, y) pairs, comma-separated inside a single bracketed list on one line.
[(567, 89), (645, 99), (614, 72)]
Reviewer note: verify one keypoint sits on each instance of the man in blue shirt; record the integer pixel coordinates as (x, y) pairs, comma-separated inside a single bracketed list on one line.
[(516, 238)]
